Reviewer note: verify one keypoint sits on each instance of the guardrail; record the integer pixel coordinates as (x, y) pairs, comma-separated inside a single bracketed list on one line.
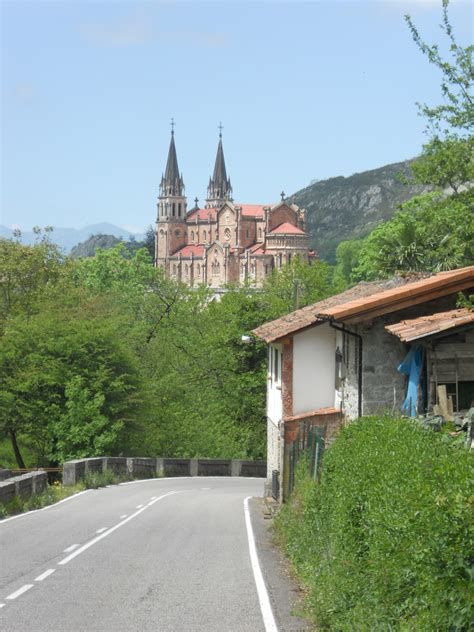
[(150, 467), (25, 485)]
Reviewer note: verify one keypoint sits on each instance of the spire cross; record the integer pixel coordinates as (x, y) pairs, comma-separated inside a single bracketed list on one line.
[(220, 128), (282, 195), (172, 125)]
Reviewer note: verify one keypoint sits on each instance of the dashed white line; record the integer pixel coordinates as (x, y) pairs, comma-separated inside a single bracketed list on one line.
[(101, 530), (71, 548), (20, 591), (87, 545), (205, 488), (153, 498), (122, 517), (2, 605), (44, 575), (139, 506), (265, 607)]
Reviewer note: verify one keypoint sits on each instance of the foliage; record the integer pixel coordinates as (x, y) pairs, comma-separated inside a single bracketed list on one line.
[(26, 273), (457, 110), (52, 494), (69, 382), (446, 163), (386, 540), (296, 285), (426, 235)]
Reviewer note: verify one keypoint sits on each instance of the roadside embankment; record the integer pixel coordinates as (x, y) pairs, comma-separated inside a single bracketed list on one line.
[(385, 540)]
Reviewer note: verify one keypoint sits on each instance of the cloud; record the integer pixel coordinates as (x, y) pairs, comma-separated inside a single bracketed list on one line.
[(137, 30), (131, 32), (24, 92)]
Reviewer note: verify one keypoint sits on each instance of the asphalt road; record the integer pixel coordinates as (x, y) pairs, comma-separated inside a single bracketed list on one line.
[(161, 555)]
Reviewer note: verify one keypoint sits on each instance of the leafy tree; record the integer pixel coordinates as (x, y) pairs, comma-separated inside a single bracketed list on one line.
[(347, 257), (296, 285), (69, 381), (423, 236), (26, 273), (457, 110)]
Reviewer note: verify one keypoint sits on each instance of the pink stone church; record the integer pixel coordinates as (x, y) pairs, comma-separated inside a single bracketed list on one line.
[(224, 242)]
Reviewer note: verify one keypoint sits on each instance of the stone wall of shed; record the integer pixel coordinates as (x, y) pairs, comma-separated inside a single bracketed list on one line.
[(383, 387)]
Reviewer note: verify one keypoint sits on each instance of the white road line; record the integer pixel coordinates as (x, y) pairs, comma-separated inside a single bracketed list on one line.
[(71, 548), (87, 545), (265, 607), (2, 605), (122, 517), (102, 530), (29, 513), (20, 591), (44, 575), (153, 498), (139, 506), (205, 488)]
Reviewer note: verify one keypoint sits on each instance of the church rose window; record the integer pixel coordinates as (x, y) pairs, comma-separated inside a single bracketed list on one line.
[(177, 233), (227, 234)]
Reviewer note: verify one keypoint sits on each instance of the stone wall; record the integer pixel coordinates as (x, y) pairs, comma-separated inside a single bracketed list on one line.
[(383, 387), (150, 467), (23, 486)]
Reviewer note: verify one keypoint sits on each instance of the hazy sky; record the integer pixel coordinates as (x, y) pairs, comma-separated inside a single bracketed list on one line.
[(304, 91)]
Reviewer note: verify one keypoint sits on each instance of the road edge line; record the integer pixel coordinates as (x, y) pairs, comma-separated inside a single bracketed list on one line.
[(264, 599), (33, 511)]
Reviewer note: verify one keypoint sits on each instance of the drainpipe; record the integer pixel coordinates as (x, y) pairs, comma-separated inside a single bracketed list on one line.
[(359, 337)]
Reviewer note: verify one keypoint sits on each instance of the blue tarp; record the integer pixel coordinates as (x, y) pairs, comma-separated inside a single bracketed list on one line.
[(411, 366)]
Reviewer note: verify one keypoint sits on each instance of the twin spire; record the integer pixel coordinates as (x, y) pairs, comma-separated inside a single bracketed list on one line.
[(219, 189)]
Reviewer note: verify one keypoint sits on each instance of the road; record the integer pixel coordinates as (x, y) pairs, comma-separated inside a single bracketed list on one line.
[(162, 555)]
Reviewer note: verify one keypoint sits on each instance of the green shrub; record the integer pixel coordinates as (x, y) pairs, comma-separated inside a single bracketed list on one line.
[(386, 540)]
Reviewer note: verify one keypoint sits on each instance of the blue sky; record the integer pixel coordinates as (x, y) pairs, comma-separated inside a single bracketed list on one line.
[(304, 91)]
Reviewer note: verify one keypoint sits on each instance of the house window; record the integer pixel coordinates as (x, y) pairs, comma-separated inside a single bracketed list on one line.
[(260, 233), (275, 365), (247, 233)]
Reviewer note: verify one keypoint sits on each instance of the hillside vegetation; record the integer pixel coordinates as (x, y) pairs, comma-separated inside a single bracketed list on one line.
[(348, 208), (385, 541)]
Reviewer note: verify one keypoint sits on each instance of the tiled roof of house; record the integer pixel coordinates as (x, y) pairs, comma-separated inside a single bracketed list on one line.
[(416, 328), (187, 251), (287, 229), (368, 300)]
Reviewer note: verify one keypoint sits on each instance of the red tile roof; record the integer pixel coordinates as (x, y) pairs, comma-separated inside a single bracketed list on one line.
[(202, 214), (368, 300), (287, 229), (187, 251), (416, 328), (252, 210)]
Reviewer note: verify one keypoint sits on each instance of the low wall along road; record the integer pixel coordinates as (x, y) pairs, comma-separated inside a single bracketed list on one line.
[(142, 467)]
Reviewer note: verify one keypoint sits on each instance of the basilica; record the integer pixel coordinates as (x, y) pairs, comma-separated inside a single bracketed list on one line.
[(225, 241)]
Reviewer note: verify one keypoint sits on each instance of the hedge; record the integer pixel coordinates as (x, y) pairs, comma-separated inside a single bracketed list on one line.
[(385, 541)]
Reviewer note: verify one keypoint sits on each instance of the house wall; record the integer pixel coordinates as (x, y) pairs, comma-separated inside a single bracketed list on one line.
[(274, 392), (383, 387), (313, 369)]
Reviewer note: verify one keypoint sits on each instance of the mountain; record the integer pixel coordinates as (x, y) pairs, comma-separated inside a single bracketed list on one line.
[(348, 208), (67, 238)]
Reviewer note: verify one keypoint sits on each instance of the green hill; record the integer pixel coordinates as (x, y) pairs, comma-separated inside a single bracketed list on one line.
[(348, 208)]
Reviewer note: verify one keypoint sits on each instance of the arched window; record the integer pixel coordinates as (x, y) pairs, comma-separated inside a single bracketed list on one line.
[(198, 269), (289, 257), (192, 235), (280, 260), (179, 209), (204, 235), (174, 209), (174, 268), (186, 269), (247, 233), (260, 233)]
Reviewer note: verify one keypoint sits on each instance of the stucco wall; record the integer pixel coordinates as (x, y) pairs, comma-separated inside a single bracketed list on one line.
[(313, 369), (274, 392)]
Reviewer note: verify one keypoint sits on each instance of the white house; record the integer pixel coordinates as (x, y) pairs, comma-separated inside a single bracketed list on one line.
[(338, 359)]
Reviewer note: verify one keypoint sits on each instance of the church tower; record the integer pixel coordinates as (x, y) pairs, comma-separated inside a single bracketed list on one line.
[(171, 220), (219, 189)]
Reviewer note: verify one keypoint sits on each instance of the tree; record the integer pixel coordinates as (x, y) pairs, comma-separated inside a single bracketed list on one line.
[(70, 383), (295, 285), (457, 111), (430, 234), (26, 273)]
